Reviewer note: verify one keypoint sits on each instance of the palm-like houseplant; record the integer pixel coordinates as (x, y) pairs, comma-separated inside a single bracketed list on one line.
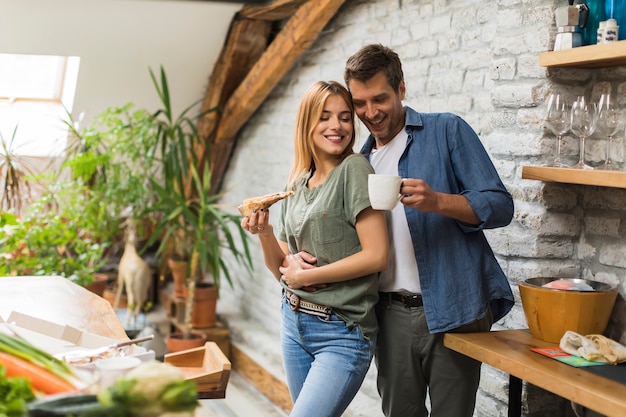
[(193, 225), (172, 152), (202, 229)]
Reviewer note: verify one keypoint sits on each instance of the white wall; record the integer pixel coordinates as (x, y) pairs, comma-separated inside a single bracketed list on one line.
[(118, 40)]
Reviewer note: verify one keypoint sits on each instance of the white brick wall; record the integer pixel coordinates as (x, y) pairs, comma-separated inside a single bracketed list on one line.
[(477, 59)]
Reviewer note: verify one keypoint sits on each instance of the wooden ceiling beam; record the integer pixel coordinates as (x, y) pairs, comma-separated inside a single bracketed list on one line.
[(246, 42), (277, 10), (297, 35), (219, 130)]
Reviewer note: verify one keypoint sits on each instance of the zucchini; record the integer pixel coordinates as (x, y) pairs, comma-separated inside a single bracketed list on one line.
[(62, 405), (74, 405)]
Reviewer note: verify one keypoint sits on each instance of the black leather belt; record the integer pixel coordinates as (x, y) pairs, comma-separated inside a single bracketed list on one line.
[(298, 304), (408, 300)]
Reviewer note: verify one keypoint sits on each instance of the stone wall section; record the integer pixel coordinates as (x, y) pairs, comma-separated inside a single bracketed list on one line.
[(478, 59)]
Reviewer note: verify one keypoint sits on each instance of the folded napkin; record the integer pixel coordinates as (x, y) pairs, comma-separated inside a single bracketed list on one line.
[(594, 347)]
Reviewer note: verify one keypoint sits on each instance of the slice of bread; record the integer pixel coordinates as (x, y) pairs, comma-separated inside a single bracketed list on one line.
[(261, 202)]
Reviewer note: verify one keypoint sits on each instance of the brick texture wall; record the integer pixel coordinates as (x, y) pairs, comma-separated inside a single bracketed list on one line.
[(478, 59)]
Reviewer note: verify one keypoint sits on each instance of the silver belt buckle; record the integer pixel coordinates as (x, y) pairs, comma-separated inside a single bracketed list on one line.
[(294, 301)]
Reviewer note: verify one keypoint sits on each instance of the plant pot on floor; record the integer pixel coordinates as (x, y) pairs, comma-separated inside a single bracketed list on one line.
[(177, 341), (203, 313), (109, 294), (99, 284)]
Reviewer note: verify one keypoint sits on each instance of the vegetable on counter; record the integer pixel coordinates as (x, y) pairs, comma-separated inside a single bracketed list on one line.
[(40, 378), (153, 389), (15, 392), (63, 405), (46, 373)]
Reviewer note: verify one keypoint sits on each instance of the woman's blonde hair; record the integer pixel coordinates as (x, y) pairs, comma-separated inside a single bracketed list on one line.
[(309, 113)]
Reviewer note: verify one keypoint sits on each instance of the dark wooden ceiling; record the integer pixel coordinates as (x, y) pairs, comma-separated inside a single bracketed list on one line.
[(263, 43)]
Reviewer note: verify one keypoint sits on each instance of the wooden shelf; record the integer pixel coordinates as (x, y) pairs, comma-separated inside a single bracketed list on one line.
[(592, 56), (615, 179)]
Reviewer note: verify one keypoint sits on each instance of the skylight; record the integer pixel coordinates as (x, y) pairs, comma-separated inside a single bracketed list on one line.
[(35, 91)]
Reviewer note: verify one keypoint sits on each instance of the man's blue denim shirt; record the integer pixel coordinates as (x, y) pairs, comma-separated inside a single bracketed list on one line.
[(459, 274)]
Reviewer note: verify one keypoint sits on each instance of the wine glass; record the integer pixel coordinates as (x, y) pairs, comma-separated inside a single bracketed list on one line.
[(558, 121), (610, 122), (583, 125)]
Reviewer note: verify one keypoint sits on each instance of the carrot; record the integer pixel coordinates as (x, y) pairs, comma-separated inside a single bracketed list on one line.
[(40, 379)]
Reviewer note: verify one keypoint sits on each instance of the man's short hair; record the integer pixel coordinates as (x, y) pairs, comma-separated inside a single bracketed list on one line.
[(372, 59)]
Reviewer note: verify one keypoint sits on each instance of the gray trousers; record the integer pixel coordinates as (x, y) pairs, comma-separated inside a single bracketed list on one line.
[(412, 363)]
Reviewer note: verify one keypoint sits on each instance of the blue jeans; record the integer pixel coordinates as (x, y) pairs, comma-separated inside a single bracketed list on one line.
[(325, 362)]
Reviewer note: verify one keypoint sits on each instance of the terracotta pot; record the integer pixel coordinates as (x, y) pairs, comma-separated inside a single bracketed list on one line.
[(109, 295), (176, 342), (179, 275), (203, 313), (99, 284)]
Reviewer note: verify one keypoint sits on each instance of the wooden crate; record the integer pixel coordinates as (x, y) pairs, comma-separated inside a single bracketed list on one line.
[(207, 366)]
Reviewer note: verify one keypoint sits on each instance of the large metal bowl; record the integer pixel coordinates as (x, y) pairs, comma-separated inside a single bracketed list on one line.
[(551, 312), (596, 285)]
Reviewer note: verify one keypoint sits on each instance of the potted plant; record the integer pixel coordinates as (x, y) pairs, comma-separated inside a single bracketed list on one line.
[(74, 229), (172, 153), (191, 226), (60, 234), (64, 231), (202, 229), (112, 159)]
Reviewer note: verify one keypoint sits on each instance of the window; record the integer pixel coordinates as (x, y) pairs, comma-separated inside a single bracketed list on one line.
[(36, 92)]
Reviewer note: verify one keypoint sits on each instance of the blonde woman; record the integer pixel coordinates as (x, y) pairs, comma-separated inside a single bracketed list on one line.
[(328, 322)]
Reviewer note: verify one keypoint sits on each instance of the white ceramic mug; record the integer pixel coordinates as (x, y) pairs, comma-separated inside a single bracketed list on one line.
[(112, 368), (384, 190)]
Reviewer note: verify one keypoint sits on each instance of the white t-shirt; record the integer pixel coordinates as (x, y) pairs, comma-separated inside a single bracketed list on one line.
[(402, 274)]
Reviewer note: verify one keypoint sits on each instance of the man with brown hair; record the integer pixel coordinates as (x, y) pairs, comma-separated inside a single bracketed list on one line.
[(443, 275)]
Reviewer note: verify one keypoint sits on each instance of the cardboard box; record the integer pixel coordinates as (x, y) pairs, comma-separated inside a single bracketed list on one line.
[(58, 339)]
